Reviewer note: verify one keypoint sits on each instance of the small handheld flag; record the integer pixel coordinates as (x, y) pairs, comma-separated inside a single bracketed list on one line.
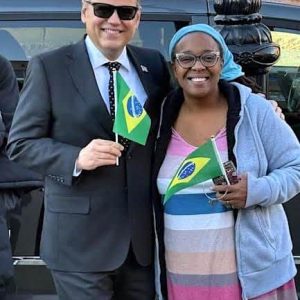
[(131, 120), (200, 165)]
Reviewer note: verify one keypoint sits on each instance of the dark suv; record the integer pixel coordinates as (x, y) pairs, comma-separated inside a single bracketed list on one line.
[(28, 27)]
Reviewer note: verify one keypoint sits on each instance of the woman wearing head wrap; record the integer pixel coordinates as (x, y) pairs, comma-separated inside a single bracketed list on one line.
[(229, 241)]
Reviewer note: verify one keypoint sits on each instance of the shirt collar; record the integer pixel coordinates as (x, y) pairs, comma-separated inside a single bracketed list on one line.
[(98, 59)]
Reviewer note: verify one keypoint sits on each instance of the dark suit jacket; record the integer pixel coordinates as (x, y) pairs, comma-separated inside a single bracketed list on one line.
[(89, 221), (12, 175)]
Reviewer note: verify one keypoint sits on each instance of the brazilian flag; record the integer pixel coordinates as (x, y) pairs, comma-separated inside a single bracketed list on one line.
[(131, 120), (199, 166)]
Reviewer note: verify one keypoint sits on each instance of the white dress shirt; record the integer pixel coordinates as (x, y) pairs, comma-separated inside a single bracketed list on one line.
[(127, 70)]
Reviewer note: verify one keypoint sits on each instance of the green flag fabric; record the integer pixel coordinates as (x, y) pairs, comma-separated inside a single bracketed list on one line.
[(199, 166), (131, 120)]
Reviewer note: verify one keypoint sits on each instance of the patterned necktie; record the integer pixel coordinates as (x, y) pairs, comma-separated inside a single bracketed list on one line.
[(114, 66)]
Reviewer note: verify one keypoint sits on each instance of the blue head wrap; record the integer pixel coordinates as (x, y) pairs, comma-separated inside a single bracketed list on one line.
[(230, 70)]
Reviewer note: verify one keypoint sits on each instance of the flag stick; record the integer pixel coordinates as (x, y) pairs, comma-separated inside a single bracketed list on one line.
[(219, 159), (116, 108)]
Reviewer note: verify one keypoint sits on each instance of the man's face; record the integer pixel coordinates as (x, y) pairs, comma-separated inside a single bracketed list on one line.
[(110, 35)]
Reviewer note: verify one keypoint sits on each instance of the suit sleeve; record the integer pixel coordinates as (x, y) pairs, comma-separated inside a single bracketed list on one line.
[(30, 141), (2, 130)]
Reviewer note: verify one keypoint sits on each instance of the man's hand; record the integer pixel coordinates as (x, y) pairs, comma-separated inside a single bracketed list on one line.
[(98, 153)]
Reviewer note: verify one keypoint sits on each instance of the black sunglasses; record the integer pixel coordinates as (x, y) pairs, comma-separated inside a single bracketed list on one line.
[(105, 11)]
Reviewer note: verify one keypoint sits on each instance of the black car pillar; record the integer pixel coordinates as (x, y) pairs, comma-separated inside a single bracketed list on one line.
[(249, 40)]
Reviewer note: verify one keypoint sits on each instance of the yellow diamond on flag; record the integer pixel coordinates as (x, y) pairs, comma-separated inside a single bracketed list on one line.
[(132, 120), (200, 165), (134, 111), (189, 169)]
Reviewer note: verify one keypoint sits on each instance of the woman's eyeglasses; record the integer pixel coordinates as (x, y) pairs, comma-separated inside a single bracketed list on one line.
[(188, 60), (105, 11)]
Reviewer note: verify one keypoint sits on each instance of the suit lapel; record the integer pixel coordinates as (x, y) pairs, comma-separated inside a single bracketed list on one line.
[(84, 79), (142, 71)]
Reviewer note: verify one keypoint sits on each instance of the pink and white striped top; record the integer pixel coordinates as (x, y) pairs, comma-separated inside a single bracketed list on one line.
[(199, 236)]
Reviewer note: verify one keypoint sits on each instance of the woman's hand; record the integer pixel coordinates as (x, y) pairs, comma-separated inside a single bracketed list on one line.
[(234, 195)]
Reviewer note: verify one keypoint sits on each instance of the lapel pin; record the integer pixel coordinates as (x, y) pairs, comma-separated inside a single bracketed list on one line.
[(144, 69)]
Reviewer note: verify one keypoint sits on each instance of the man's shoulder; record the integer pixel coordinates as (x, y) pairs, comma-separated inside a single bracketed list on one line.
[(7, 75), (3, 61), (5, 66), (61, 51)]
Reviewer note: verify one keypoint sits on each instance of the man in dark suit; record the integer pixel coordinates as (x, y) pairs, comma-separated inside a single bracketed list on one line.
[(97, 234)]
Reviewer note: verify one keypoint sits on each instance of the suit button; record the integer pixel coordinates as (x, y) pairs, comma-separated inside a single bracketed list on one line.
[(129, 156)]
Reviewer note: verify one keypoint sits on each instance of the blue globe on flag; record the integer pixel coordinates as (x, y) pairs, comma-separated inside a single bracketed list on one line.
[(134, 107), (187, 170), (200, 165)]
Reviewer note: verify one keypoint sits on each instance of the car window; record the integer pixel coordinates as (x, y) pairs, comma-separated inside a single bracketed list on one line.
[(155, 34), (22, 40), (292, 2), (284, 77)]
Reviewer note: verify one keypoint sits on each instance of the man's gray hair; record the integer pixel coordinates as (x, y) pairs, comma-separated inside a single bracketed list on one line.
[(83, 4)]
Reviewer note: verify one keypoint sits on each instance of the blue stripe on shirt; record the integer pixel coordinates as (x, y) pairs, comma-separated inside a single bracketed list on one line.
[(193, 204)]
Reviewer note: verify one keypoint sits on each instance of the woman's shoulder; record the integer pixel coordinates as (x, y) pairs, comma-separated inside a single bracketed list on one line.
[(252, 100)]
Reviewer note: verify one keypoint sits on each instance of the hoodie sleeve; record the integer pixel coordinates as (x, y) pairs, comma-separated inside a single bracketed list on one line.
[(281, 180)]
